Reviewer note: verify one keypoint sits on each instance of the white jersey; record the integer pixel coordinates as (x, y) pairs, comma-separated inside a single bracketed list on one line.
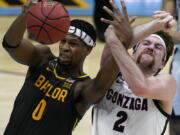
[(121, 112)]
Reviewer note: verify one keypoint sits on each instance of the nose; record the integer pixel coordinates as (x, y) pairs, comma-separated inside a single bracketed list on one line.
[(65, 47), (151, 47)]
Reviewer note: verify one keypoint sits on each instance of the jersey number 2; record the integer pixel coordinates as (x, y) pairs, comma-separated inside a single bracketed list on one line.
[(38, 111), (118, 124)]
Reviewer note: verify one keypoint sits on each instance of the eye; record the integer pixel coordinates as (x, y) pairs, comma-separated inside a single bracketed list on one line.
[(145, 43), (63, 41), (158, 46), (74, 44)]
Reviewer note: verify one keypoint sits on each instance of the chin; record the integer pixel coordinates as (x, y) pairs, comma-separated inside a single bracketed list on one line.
[(64, 62), (145, 60), (146, 63)]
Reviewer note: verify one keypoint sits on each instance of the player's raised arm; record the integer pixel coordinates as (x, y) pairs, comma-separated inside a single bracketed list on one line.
[(161, 20), (20, 49)]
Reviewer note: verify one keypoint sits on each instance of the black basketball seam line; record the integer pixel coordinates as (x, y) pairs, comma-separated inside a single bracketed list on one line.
[(42, 29), (58, 17), (33, 26), (48, 35), (46, 17), (62, 17), (40, 25), (50, 18), (47, 23), (65, 10)]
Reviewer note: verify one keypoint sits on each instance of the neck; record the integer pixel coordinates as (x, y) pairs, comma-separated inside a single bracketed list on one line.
[(147, 71), (70, 71)]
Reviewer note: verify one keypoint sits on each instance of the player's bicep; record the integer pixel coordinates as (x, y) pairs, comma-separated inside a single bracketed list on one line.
[(162, 87), (26, 53)]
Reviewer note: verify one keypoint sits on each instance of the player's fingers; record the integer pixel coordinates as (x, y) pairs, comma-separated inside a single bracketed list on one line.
[(117, 18), (108, 11), (107, 21), (167, 19), (124, 9), (116, 9), (27, 5), (162, 15), (132, 20), (158, 12), (30, 3), (171, 23)]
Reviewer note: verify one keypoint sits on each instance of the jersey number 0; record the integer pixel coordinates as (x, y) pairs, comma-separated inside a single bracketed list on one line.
[(38, 111)]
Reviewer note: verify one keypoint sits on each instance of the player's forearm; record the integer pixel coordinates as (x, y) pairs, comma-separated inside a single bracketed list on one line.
[(129, 69), (106, 75), (144, 30), (97, 88), (105, 54), (16, 31)]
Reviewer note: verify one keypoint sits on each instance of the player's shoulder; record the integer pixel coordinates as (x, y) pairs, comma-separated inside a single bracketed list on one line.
[(167, 80), (165, 77), (45, 53), (81, 84)]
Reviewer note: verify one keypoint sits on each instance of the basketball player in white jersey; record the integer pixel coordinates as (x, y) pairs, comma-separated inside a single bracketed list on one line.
[(140, 99)]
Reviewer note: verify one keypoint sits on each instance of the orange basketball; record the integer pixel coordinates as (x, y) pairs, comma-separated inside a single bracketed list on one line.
[(48, 22)]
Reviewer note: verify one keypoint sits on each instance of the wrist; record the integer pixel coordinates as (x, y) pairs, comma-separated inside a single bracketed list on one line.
[(158, 25)]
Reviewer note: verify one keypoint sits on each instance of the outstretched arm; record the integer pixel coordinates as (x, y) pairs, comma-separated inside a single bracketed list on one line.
[(122, 25), (22, 50), (94, 90), (162, 21)]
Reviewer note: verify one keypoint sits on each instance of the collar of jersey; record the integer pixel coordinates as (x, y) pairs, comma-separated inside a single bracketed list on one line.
[(60, 77)]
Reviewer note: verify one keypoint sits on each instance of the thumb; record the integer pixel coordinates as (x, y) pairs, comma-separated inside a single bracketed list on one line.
[(132, 20)]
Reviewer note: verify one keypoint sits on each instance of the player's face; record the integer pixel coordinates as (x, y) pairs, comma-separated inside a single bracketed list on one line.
[(72, 50), (150, 53)]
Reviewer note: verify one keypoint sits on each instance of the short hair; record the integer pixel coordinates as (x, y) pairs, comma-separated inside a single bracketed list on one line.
[(85, 26), (168, 41)]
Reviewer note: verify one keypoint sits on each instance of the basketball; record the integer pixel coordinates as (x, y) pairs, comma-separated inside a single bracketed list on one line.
[(47, 22)]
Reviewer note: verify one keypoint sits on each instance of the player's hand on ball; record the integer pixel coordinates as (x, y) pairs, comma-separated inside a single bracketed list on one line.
[(28, 5)]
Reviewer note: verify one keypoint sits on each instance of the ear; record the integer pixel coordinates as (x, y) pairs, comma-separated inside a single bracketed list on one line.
[(88, 50)]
